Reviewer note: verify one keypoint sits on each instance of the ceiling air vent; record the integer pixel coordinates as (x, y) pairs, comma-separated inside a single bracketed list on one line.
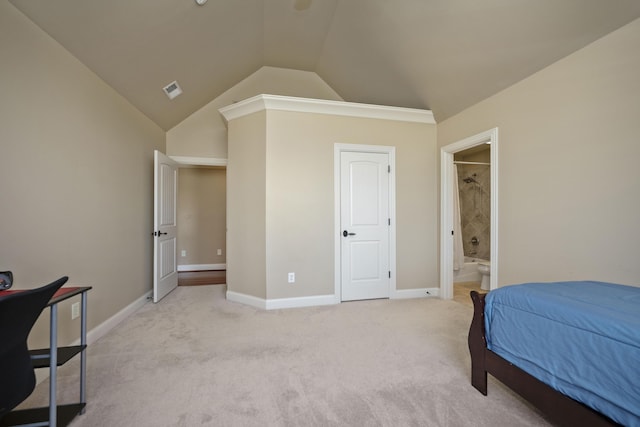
[(172, 89)]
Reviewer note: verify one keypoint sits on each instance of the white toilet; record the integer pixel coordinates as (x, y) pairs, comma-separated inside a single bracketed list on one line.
[(485, 269)]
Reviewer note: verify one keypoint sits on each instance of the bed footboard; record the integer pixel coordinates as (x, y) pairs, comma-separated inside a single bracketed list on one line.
[(559, 408)]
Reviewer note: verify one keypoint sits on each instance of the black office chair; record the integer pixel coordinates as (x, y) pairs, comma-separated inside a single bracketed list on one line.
[(18, 313)]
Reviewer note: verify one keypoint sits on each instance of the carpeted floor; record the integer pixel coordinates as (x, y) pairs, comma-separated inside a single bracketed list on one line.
[(195, 359)]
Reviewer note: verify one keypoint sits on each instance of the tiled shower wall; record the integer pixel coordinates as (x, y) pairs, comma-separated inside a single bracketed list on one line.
[(475, 209)]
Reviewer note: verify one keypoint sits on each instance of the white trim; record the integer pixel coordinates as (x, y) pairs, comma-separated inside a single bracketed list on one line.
[(446, 207), (337, 243), (322, 106), (446, 224), (247, 300), (279, 303), (416, 293), (202, 267), (103, 328), (273, 304), (198, 161)]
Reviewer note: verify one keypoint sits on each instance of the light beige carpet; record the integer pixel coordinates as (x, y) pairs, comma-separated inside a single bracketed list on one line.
[(195, 359)]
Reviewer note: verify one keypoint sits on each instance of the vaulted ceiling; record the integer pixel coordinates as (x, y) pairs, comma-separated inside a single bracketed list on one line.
[(442, 55)]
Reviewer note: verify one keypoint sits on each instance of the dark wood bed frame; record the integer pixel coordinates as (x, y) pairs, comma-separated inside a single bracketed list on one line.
[(558, 408)]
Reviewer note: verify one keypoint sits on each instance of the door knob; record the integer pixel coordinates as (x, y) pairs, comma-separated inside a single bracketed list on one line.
[(345, 233)]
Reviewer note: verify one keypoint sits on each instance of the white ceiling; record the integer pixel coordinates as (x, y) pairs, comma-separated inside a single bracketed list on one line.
[(443, 55)]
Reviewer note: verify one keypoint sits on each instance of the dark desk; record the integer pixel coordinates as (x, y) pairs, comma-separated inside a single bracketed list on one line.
[(56, 415)]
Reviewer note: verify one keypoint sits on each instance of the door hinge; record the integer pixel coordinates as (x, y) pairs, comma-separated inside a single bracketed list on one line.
[(389, 221), (389, 274), (389, 168)]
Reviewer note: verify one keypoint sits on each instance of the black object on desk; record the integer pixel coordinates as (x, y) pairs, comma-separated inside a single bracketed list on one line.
[(6, 280)]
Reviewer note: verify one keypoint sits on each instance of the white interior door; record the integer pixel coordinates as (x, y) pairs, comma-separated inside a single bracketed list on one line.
[(365, 220), (165, 190)]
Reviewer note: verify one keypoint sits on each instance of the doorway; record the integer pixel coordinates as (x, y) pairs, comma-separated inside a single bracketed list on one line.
[(201, 260), (201, 219), (447, 207), (364, 221)]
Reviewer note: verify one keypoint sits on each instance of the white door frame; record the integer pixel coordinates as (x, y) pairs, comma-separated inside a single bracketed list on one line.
[(446, 208), (199, 161), (391, 151), (194, 162), (206, 162)]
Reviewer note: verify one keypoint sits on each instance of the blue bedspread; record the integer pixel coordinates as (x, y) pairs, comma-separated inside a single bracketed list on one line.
[(581, 338)]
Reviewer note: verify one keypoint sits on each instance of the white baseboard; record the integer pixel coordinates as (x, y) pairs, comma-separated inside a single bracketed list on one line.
[(202, 267), (101, 330), (247, 300), (274, 304), (415, 293)]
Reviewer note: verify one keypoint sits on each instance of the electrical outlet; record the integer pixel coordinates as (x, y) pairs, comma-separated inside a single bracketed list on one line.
[(75, 310), (219, 251), (292, 277), (183, 253)]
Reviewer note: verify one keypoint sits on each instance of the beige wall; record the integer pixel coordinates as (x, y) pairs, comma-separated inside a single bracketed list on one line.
[(568, 154), (202, 208), (76, 177), (299, 202), (204, 134), (246, 172)]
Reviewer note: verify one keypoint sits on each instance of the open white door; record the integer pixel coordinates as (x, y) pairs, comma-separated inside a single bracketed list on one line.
[(165, 191), (365, 221)]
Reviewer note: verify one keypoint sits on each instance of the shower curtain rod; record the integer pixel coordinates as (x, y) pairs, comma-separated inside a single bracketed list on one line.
[(471, 163)]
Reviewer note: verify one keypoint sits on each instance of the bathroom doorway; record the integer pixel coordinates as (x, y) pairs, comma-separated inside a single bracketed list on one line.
[(484, 198)]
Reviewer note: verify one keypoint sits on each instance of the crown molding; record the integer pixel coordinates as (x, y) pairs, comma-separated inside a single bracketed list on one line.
[(321, 106)]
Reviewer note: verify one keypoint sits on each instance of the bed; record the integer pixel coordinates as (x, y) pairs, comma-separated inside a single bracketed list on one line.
[(572, 349)]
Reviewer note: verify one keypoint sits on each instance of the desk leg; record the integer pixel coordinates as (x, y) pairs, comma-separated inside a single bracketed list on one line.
[(53, 365), (83, 354)]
